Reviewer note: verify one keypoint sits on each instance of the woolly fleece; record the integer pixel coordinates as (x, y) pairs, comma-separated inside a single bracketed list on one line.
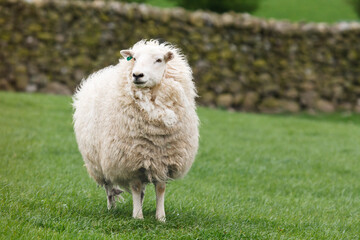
[(125, 133)]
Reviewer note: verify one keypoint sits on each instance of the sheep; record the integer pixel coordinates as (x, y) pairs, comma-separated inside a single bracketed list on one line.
[(136, 123)]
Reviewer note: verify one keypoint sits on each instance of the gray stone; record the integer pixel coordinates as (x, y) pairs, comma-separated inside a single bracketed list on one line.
[(325, 106), (56, 88), (238, 98), (208, 97), (291, 93), (21, 81), (31, 88), (270, 105), (290, 106), (309, 98), (225, 100), (250, 101), (345, 107), (5, 85)]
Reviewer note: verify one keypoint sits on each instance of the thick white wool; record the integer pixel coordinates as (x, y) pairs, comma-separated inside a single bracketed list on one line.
[(126, 133)]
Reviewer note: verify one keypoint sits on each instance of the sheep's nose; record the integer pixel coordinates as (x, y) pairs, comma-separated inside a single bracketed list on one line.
[(137, 76)]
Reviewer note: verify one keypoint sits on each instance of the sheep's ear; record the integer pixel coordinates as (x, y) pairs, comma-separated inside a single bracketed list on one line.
[(126, 53), (168, 56)]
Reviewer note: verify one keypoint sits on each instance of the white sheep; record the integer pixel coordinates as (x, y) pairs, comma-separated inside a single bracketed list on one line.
[(136, 123)]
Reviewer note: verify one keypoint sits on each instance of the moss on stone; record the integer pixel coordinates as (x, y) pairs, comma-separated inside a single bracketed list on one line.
[(249, 64)]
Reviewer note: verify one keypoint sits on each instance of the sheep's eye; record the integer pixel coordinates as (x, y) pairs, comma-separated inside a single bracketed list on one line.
[(134, 59), (159, 60)]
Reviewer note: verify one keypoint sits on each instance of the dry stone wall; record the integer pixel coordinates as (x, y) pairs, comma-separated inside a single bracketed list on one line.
[(239, 62)]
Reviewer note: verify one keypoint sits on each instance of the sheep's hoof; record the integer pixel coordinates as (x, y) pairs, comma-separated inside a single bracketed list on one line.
[(139, 217), (112, 196), (110, 202), (161, 219)]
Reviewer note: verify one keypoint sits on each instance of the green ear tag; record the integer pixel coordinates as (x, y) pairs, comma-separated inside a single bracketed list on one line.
[(129, 58)]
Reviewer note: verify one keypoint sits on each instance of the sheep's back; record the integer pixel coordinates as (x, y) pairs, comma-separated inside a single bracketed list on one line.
[(88, 115)]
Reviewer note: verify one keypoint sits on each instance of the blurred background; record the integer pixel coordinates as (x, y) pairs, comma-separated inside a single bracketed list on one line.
[(285, 56), (293, 10)]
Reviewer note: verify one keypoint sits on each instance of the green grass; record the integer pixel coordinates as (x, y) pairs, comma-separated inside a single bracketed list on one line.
[(307, 10), (255, 177), (162, 3), (295, 10)]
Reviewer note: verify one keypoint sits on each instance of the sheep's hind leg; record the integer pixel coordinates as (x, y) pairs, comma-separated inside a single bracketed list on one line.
[(160, 198), (138, 192), (143, 194), (113, 194)]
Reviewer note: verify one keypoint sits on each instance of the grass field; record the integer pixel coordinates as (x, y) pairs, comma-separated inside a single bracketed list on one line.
[(295, 10), (307, 10), (255, 177)]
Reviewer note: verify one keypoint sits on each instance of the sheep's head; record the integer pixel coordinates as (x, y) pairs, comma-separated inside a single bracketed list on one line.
[(149, 65)]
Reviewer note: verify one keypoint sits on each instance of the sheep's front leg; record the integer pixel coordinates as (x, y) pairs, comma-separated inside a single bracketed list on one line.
[(160, 198), (138, 191)]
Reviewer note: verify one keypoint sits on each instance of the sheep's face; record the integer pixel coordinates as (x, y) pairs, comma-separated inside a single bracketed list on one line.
[(149, 65)]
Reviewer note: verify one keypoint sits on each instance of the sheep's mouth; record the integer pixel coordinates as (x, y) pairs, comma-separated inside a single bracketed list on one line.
[(139, 83)]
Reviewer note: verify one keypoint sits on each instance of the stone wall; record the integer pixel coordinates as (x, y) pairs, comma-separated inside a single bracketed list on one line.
[(239, 62)]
